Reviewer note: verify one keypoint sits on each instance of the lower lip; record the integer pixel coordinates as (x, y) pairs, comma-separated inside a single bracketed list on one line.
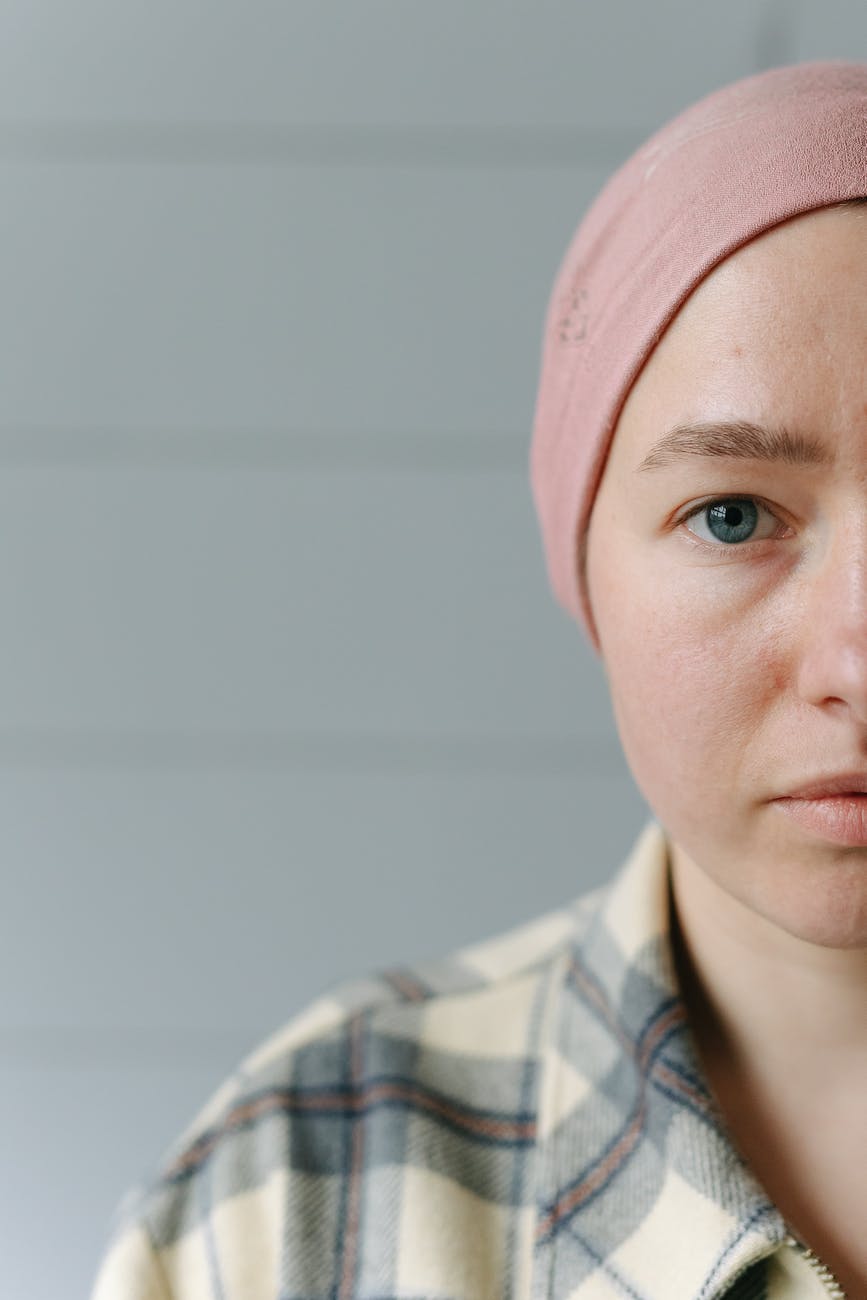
[(840, 818)]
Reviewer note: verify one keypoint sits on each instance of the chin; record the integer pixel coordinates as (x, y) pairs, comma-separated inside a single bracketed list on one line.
[(823, 904), (816, 892)]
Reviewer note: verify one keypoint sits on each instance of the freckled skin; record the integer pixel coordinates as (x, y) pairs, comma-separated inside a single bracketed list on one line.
[(737, 675)]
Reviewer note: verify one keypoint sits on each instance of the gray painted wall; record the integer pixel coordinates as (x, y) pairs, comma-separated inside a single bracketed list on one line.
[(283, 693)]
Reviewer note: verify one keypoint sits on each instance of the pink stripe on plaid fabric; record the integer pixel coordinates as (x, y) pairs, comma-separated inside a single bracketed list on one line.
[(604, 1169), (341, 1099)]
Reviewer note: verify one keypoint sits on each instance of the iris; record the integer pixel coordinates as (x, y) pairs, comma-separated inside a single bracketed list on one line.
[(732, 520)]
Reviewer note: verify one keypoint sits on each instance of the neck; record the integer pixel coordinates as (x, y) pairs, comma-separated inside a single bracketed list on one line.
[(758, 995), (781, 1026)]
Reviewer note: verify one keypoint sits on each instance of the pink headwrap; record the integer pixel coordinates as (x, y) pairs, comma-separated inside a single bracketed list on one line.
[(739, 161)]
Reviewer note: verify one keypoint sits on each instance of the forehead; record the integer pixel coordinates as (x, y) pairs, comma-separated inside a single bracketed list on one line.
[(776, 333), (804, 274)]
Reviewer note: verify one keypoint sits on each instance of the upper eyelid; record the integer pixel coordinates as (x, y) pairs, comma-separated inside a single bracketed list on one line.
[(730, 496)]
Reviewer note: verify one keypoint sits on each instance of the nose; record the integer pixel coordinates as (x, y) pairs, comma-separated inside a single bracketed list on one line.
[(833, 662)]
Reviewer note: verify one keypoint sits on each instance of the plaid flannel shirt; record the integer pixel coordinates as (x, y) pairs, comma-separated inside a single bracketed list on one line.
[(525, 1119)]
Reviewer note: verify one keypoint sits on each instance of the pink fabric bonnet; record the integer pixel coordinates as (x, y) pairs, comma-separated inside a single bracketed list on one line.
[(739, 161)]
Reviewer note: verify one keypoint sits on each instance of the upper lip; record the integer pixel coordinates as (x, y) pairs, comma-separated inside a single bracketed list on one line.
[(821, 786)]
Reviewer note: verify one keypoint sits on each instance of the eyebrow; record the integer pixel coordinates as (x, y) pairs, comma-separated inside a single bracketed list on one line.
[(735, 438)]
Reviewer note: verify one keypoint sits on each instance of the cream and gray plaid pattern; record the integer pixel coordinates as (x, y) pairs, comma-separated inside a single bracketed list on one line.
[(523, 1120)]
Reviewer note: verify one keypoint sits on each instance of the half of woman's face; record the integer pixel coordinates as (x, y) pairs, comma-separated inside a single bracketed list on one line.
[(727, 571)]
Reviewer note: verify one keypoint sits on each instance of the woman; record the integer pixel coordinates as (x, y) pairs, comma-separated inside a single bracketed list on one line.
[(659, 1090)]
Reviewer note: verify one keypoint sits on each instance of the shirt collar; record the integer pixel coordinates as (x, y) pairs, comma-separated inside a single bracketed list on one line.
[(640, 1180)]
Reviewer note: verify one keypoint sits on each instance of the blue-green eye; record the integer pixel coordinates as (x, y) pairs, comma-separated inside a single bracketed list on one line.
[(730, 520)]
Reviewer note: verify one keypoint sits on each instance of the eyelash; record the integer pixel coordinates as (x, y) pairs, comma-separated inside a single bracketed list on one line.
[(729, 500)]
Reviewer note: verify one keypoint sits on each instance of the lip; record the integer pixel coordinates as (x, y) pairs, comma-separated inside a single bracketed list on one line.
[(833, 808), (823, 786)]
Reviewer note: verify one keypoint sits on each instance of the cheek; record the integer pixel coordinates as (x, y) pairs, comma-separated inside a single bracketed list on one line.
[(690, 690)]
